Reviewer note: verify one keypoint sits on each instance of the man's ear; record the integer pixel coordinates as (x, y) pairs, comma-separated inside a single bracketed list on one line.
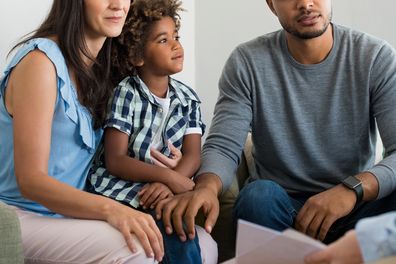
[(271, 6)]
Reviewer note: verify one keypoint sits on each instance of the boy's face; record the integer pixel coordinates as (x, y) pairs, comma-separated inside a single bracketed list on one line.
[(163, 53)]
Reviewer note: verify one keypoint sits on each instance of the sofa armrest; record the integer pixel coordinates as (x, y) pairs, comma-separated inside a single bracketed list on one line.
[(10, 236)]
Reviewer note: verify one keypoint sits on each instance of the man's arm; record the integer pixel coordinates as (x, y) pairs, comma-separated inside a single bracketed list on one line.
[(322, 210), (382, 103)]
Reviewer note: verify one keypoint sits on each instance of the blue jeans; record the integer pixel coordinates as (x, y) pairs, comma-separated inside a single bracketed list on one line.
[(176, 251), (266, 203)]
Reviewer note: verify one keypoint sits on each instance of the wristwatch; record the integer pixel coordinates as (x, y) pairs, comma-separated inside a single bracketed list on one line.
[(356, 185)]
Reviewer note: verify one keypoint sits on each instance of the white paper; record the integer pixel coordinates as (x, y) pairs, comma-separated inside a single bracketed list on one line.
[(258, 244)]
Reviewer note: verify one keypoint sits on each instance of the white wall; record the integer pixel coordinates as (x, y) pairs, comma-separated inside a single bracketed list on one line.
[(19, 17)]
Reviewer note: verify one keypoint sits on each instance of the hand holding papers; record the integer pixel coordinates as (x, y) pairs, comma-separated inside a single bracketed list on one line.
[(258, 244)]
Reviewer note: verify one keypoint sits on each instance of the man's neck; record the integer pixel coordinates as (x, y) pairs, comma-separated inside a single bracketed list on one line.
[(311, 51)]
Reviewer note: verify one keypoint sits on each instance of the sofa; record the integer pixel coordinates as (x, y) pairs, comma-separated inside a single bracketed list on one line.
[(10, 237)]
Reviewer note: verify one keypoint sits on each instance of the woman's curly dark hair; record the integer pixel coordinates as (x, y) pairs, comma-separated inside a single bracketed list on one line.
[(128, 48)]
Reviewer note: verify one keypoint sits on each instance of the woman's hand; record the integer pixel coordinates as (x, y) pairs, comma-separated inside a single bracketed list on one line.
[(152, 193), (345, 250), (161, 160), (130, 221)]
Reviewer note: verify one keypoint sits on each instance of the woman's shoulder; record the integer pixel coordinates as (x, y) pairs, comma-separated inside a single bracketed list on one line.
[(40, 52)]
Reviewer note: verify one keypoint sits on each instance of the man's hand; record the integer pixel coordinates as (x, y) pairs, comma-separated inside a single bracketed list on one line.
[(320, 211), (346, 250), (152, 193), (184, 207)]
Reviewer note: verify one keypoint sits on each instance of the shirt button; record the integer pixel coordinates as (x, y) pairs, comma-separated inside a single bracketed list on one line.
[(160, 110)]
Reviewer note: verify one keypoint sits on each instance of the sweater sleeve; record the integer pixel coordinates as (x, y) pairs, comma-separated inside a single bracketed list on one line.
[(231, 122), (383, 98)]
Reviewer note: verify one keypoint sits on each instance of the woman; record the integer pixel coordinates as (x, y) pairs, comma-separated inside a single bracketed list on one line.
[(53, 102)]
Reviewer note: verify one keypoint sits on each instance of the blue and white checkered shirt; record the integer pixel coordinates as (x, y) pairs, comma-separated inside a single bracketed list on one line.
[(135, 111)]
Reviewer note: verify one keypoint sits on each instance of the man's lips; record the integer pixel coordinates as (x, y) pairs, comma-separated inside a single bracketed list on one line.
[(308, 20)]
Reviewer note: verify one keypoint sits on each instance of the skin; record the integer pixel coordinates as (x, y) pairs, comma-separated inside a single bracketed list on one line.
[(163, 56), (346, 250), (30, 100), (309, 39)]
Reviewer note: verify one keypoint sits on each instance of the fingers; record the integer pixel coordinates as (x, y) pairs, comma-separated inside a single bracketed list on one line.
[(315, 225), (211, 216), (161, 196), (176, 153), (155, 154), (327, 223), (177, 218), (158, 163), (319, 257), (304, 218), (126, 233), (149, 195), (149, 240)]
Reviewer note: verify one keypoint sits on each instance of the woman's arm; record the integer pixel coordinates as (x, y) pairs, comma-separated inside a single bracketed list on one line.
[(30, 99), (119, 164)]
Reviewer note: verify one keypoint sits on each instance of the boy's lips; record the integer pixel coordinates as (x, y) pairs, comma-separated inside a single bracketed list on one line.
[(178, 57)]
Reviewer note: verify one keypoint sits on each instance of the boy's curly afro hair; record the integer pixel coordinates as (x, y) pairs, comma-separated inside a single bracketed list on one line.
[(128, 48)]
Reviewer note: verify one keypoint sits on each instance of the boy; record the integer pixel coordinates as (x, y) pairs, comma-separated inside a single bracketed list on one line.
[(152, 117)]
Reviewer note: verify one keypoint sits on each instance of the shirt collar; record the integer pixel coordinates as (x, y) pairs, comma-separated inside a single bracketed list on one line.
[(177, 90)]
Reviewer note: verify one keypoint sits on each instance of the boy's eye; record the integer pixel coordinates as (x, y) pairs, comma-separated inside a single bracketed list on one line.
[(177, 38), (162, 40)]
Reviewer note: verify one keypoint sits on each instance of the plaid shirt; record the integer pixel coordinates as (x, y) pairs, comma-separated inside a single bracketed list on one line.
[(134, 111)]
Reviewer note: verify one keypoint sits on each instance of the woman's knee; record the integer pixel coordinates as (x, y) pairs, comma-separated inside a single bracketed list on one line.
[(208, 246)]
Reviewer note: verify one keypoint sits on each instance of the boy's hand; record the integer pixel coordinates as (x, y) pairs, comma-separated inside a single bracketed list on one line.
[(179, 183), (152, 193), (161, 160)]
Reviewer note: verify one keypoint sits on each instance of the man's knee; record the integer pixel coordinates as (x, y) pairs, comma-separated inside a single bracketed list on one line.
[(266, 203), (260, 193)]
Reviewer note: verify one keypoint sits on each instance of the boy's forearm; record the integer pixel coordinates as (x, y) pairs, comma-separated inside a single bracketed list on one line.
[(188, 165), (131, 169)]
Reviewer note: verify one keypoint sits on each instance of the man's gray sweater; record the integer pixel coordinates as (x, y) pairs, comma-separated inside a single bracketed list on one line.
[(312, 125)]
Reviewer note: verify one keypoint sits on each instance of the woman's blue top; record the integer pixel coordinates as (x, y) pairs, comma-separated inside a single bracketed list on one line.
[(73, 139)]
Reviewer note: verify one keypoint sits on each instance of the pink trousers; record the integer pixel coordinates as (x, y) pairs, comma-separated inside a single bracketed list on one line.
[(65, 240)]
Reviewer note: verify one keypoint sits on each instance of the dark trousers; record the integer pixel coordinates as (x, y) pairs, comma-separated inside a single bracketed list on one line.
[(266, 203), (176, 251)]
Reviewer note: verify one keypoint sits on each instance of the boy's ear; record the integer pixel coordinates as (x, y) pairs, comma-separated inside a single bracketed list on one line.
[(139, 63)]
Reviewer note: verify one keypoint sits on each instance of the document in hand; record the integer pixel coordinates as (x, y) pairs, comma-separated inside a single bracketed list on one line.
[(258, 244)]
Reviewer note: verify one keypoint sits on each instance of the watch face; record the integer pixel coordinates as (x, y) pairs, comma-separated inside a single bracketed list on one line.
[(352, 182)]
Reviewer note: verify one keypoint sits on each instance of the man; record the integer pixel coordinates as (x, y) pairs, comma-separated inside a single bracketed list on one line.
[(373, 239), (310, 94)]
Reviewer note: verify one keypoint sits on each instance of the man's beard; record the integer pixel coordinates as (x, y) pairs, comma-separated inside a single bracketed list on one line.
[(308, 35)]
